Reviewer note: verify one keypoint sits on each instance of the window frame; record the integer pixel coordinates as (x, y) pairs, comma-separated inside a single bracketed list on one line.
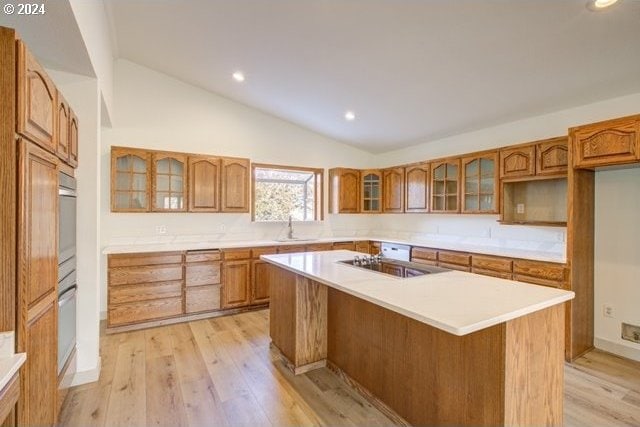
[(318, 208)]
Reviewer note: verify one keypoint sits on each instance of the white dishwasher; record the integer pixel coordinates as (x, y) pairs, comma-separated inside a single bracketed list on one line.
[(396, 251)]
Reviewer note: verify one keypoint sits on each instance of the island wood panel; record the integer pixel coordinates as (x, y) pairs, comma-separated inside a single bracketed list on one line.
[(282, 310), (311, 322), (430, 377), (135, 312), (37, 101), (534, 368), (8, 398), (8, 179)]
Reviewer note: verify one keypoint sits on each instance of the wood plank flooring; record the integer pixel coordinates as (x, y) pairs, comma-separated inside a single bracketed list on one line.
[(222, 372)]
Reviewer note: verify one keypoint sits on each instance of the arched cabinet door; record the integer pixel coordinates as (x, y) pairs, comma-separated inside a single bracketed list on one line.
[(169, 183), (518, 162), (37, 101), (73, 139), (393, 190), (417, 188), (552, 156), (612, 142), (235, 185), (344, 190), (130, 180), (204, 184), (64, 119)]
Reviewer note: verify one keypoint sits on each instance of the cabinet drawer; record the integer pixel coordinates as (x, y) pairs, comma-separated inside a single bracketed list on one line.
[(362, 247), (144, 292), (203, 256), (202, 274), (266, 250), (131, 260), (202, 298), (538, 281), (349, 246), (233, 254), (424, 261), (135, 275), (539, 269), (455, 267), (492, 263), (319, 247), (290, 249), (492, 273), (454, 258), (424, 254), (143, 311)]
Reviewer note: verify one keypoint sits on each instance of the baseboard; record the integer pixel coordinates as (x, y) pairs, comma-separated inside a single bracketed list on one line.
[(85, 377), (617, 348)]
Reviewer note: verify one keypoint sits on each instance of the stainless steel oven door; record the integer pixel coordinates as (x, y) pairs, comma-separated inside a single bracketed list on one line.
[(67, 218), (66, 325)]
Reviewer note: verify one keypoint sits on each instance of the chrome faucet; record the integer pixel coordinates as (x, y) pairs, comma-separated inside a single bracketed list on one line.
[(290, 233)]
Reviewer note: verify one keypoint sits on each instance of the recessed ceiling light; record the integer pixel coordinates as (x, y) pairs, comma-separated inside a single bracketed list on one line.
[(349, 116), (238, 76), (600, 4)]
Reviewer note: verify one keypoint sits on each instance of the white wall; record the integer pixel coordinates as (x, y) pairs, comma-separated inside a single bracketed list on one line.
[(155, 111), (83, 95), (617, 253), (94, 27)]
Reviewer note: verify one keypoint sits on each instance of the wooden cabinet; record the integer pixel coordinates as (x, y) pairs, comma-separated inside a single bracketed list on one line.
[(393, 190), (169, 182), (375, 248), (454, 260), (371, 191), (144, 287), (347, 246), (480, 183), (417, 188), (259, 282), (362, 246), (424, 255), (519, 161), (202, 277), (235, 178), (235, 288), (540, 273), (552, 156), (8, 398), (612, 142), (130, 180), (37, 266), (73, 139), (344, 189), (445, 186), (492, 266), (204, 184), (37, 101), (314, 247), (62, 130)]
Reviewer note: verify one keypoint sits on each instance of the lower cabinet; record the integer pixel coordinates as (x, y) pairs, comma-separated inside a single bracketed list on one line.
[(236, 280), (202, 281), (259, 282)]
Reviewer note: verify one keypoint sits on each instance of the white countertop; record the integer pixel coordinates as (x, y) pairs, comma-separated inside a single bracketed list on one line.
[(228, 244), (456, 302), (10, 362)]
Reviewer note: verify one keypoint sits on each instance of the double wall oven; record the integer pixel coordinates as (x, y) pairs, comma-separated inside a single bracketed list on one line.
[(67, 286)]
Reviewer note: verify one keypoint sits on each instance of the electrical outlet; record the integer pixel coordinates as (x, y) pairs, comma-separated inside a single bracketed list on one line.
[(520, 208), (631, 333), (161, 229), (607, 310), (222, 227)]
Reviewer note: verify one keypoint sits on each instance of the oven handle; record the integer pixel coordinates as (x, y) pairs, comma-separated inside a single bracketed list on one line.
[(67, 296), (67, 192)]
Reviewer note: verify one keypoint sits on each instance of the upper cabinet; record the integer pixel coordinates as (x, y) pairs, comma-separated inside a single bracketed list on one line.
[(130, 180), (370, 191), (552, 156), (480, 183), (62, 130), (169, 182), (445, 186), (204, 184), (611, 142), (393, 190), (417, 187), (73, 139), (516, 162), (235, 185), (344, 189), (37, 101)]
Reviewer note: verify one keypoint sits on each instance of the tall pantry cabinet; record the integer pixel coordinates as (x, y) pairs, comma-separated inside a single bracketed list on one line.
[(38, 137)]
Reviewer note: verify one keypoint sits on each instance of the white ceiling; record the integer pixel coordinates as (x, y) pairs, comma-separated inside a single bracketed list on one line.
[(410, 69)]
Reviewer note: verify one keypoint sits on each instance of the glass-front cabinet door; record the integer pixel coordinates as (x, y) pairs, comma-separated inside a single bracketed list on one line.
[(130, 181), (479, 184), (371, 195), (169, 182), (445, 186)]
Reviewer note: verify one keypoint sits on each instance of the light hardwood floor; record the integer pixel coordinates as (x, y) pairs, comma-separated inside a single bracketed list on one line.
[(222, 371)]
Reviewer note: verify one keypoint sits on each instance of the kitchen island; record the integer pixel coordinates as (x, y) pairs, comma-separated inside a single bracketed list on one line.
[(451, 348)]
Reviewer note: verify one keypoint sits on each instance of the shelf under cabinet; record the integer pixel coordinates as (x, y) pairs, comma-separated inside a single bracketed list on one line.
[(544, 202)]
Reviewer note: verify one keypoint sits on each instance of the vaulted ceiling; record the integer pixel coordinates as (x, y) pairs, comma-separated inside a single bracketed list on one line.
[(410, 69)]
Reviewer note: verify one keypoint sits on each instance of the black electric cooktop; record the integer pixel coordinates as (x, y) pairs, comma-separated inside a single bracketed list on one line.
[(395, 267)]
